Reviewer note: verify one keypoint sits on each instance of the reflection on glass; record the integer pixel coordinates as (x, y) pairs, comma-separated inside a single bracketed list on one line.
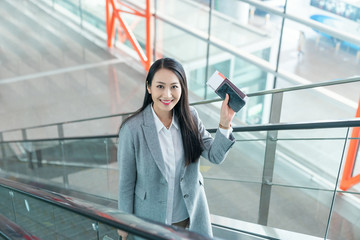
[(45, 220), (192, 13), (344, 222), (309, 162), (248, 77), (236, 200), (300, 210), (317, 105), (6, 207), (302, 45), (35, 216), (70, 5), (93, 13), (77, 164)]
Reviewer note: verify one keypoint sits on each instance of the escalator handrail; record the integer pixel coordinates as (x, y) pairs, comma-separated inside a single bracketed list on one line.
[(254, 94), (10, 230), (103, 214), (345, 123)]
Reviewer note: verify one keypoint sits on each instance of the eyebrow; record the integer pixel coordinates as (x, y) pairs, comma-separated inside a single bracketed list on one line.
[(165, 83)]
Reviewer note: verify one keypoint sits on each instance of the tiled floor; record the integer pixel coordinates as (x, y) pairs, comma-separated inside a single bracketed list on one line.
[(50, 73)]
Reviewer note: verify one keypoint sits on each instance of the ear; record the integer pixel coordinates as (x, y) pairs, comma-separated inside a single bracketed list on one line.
[(148, 87)]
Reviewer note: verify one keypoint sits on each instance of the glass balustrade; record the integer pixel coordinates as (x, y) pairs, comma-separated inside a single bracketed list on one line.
[(299, 173)]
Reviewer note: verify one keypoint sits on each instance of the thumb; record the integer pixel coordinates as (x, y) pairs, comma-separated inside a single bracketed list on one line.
[(227, 98)]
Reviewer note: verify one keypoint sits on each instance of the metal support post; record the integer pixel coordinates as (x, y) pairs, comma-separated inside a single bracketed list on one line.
[(60, 129), (269, 160), (2, 156), (62, 148)]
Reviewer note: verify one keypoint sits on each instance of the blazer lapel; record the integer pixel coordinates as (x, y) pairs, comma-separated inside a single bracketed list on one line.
[(152, 140)]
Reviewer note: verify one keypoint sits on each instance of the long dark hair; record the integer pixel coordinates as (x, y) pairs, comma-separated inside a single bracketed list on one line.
[(192, 142)]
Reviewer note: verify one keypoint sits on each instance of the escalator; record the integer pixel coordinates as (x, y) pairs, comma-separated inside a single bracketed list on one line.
[(34, 213), (86, 167)]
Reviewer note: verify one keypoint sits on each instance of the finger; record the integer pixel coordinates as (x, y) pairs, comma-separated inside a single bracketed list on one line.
[(227, 98)]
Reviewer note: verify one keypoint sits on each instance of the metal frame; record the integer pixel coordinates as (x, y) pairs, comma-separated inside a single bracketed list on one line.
[(269, 155), (254, 94), (113, 12), (348, 180)]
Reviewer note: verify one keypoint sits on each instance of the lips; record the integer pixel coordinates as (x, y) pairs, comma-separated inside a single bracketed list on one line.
[(166, 102)]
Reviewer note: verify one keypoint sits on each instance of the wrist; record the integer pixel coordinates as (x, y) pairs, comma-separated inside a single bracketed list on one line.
[(228, 126)]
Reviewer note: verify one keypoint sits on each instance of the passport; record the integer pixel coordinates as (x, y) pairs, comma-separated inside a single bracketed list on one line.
[(222, 86)]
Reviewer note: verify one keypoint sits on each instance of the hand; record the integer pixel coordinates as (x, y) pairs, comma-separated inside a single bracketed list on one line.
[(226, 113), (122, 234)]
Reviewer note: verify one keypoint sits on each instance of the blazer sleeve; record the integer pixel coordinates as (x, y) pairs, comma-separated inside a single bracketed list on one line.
[(215, 149), (127, 170)]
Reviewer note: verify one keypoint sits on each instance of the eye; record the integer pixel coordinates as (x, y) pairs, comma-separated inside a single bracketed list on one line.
[(160, 86), (175, 86)]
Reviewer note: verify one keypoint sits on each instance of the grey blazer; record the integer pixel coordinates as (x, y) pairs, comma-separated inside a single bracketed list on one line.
[(142, 184)]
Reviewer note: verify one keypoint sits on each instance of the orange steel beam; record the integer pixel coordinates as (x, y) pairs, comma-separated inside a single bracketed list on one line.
[(347, 180), (112, 16)]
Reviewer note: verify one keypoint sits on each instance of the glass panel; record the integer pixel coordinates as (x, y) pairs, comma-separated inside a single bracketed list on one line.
[(42, 133), (190, 13), (70, 164), (244, 162), (73, 226), (93, 13), (345, 218), (74, 95), (246, 29), (248, 77), (300, 210), (310, 54), (6, 207), (48, 46), (47, 221), (191, 55), (88, 159), (12, 135), (97, 127), (236, 180), (35, 216), (70, 5), (107, 233), (319, 104), (237, 200), (308, 162)]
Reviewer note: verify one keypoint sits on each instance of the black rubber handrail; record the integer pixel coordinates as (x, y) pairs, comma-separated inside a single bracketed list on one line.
[(12, 231), (109, 216)]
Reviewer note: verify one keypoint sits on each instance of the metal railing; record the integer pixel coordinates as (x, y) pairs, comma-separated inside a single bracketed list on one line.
[(60, 125), (267, 181), (95, 213)]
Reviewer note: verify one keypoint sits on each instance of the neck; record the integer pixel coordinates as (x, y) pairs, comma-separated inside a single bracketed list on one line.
[(165, 117)]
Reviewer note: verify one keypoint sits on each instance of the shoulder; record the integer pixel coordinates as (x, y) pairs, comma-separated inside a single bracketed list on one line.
[(194, 113), (133, 123)]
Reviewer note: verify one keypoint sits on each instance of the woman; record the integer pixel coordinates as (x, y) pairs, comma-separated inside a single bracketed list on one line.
[(159, 150)]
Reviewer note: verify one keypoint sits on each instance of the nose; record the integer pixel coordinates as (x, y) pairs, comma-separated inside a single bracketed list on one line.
[(167, 92)]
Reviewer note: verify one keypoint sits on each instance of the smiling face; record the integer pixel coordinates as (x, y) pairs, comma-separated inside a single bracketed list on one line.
[(165, 91)]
